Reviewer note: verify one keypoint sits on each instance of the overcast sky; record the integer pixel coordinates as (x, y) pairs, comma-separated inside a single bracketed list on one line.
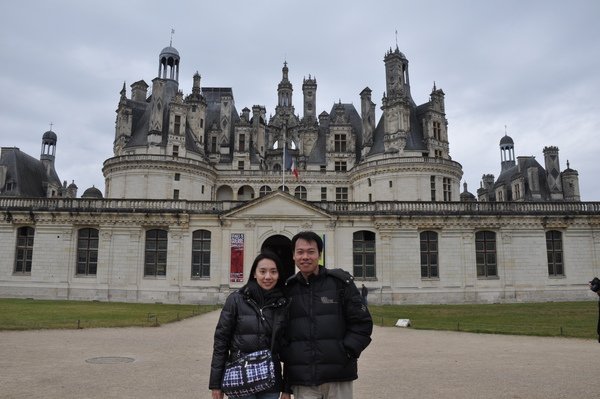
[(532, 66)]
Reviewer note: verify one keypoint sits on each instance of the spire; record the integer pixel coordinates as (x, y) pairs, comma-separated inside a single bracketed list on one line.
[(171, 41)]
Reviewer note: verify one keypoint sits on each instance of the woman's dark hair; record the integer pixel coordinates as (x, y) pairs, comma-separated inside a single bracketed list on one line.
[(308, 236), (266, 254)]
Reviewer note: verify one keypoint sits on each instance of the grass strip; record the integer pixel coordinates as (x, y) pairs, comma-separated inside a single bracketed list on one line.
[(568, 319), (28, 314)]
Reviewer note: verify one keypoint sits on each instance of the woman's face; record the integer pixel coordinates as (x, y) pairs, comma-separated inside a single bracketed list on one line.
[(266, 274)]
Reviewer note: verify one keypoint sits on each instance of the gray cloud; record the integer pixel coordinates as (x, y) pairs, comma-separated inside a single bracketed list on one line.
[(529, 65)]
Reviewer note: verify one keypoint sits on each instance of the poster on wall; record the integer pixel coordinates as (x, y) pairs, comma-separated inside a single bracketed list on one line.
[(236, 273)]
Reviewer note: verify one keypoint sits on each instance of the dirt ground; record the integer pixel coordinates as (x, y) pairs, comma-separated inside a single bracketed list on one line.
[(173, 361)]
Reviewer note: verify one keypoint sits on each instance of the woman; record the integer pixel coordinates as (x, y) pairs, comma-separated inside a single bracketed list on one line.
[(252, 319)]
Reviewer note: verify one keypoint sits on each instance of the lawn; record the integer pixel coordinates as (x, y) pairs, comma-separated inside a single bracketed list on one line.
[(27, 314), (569, 319)]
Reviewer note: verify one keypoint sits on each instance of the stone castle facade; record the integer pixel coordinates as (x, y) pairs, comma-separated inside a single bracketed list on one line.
[(195, 189)]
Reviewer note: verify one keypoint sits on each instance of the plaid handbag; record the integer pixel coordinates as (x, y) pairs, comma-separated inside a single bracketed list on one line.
[(249, 374)]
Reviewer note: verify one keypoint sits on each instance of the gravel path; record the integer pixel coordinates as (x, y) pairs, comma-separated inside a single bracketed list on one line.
[(172, 361)]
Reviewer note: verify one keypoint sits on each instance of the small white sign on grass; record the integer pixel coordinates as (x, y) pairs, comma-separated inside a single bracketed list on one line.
[(403, 323)]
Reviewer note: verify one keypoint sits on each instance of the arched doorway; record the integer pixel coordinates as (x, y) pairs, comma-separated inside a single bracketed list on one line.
[(282, 246)]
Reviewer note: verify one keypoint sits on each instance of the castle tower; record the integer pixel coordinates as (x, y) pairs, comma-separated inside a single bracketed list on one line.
[(397, 102), (284, 93), (309, 89), (552, 164), (164, 88), (52, 182), (367, 114), (507, 152), (396, 73), (48, 152), (570, 184), (168, 64)]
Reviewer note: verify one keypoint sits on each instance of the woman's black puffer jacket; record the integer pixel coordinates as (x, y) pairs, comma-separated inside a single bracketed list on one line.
[(246, 327)]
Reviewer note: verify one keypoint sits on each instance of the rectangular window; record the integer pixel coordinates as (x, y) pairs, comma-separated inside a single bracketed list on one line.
[(323, 193), (176, 194), (485, 254), (429, 254), (155, 254), (201, 254), (432, 186), (339, 142), (363, 253), (175, 150), (554, 249), (341, 194), (213, 144), (177, 176), (240, 165), (87, 252), (177, 125), (323, 168), (201, 123), (447, 189), (24, 250), (340, 166), (437, 130), (242, 143)]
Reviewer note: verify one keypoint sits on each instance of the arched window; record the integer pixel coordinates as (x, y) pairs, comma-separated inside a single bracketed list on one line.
[(485, 254), (201, 254), (155, 259), (264, 190), (24, 250), (363, 250), (300, 192), (554, 249), (87, 252), (429, 254)]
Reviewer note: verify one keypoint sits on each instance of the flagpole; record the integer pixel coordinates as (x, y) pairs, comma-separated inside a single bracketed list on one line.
[(283, 155)]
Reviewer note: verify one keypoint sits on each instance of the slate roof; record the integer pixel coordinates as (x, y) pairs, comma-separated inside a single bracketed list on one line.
[(28, 173), (141, 116)]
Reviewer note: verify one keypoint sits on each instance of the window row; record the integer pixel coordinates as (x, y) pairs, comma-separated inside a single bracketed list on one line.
[(155, 252), (363, 247), (363, 251)]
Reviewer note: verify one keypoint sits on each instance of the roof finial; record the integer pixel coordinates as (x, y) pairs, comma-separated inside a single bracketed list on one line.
[(568, 165), (396, 38), (171, 41), (505, 131), (51, 126)]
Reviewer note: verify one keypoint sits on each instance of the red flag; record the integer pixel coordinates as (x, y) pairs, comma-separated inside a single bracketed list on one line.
[(294, 169)]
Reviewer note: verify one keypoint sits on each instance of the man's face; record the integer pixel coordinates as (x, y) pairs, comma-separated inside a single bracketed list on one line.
[(306, 257)]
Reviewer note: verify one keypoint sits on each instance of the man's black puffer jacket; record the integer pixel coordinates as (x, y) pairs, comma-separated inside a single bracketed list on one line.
[(245, 327), (328, 327)]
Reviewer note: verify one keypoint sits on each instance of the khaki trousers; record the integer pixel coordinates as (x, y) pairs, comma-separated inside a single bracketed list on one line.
[(329, 390)]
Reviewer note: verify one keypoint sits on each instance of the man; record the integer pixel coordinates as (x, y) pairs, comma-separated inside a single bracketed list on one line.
[(328, 327)]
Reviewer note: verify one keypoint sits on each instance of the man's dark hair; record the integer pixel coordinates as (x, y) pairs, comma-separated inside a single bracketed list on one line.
[(308, 236)]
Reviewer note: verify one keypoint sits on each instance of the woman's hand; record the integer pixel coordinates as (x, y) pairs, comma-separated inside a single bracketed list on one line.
[(285, 395), (217, 394)]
